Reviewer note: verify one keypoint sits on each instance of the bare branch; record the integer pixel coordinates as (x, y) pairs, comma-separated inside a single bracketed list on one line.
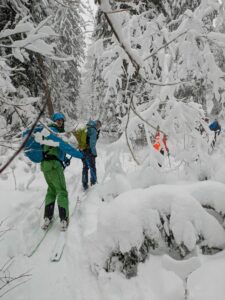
[(164, 45), (168, 83), (25, 140), (12, 104), (140, 117), (117, 11), (64, 5), (22, 120), (9, 147), (6, 292), (133, 61), (126, 134), (8, 279), (2, 221), (3, 232), (7, 264)]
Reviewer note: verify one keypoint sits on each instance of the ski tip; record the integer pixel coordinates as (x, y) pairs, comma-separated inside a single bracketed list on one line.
[(57, 256)]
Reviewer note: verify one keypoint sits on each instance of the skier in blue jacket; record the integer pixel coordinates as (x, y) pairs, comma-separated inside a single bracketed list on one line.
[(90, 153), (53, 166)]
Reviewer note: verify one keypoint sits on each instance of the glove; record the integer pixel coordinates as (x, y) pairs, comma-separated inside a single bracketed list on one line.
[(67, 161)]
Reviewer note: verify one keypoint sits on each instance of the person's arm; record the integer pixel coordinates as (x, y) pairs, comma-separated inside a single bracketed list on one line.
[(92, 133), (66, 148)]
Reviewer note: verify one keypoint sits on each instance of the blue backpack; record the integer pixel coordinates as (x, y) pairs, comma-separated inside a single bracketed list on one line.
[(32, 149)]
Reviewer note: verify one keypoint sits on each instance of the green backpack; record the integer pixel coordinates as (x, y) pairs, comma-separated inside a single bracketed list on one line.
[(81, 136)]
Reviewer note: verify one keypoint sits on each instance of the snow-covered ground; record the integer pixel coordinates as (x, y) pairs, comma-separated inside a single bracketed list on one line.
[(111, 215)]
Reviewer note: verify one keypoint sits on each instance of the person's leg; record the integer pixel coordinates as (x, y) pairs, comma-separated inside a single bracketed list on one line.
[(93, 170), (162, 151), (85, 175), (50, 196), (214, 140), (62, 194)]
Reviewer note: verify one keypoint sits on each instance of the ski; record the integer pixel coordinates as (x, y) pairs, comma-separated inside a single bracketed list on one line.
[(58, 247), (40, 234), (60, 243)]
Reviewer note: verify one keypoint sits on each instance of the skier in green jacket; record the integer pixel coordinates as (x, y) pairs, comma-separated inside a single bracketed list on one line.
[(53, 166)]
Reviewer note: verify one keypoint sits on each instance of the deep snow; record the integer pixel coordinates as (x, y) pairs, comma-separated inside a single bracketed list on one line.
[(97, 226)]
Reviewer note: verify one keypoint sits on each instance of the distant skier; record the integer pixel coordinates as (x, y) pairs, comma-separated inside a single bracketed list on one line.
[(87, 138), (53, 166), (160, 143), (216, 127)]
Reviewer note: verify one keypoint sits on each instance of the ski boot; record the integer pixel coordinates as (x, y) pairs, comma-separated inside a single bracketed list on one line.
[(46, 223), (64, 225)]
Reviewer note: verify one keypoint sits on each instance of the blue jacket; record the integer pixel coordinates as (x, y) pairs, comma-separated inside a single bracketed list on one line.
[(64, 148), (34, 151), (92, 136)]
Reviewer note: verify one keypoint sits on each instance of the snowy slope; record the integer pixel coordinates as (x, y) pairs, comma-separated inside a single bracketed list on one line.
[(111, 212)]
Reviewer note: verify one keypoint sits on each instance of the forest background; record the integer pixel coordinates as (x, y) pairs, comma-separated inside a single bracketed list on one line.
[(147, 64)]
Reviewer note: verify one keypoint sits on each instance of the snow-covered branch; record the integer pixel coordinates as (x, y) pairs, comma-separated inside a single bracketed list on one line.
[(24, 142)]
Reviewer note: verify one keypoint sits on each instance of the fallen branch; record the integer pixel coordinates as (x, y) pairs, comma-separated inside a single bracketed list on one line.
[(6, 292)]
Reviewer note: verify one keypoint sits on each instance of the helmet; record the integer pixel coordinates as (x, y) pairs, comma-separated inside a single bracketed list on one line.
[(58, 116)]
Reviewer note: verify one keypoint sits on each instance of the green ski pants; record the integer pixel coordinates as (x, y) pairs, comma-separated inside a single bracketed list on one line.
[(56, 188)]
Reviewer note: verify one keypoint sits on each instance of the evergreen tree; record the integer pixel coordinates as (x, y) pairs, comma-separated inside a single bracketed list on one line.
[(65, 75), (39, 76)]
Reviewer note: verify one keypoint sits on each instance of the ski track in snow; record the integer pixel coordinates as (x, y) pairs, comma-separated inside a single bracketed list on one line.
[(66, 279), (71, 278)]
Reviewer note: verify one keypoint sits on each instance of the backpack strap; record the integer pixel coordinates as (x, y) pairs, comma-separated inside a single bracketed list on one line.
[(52, 157)]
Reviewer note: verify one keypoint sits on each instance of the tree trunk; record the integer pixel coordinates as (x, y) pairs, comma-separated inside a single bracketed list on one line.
[(46, 87)]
